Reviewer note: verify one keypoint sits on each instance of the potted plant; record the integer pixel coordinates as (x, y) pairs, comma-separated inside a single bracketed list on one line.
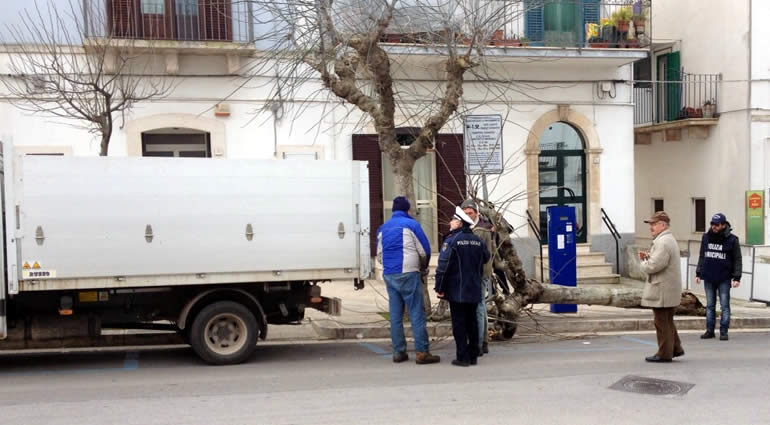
[(639, 18), (709, 108), (524, 41), (608, 33), (622, 19)]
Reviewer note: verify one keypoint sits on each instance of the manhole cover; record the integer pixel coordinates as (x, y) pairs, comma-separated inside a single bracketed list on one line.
[(642, 385)]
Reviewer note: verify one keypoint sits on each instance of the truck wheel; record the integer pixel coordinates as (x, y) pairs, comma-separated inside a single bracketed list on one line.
[(224, 333)]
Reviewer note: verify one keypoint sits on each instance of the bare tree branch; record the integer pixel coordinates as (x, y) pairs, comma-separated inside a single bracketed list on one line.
[(57, 70)]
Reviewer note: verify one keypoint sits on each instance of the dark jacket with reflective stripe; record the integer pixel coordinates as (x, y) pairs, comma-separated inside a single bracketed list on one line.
[(460, 266)]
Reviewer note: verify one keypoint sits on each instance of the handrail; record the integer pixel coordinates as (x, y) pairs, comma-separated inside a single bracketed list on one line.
[(536, 231), (615, 235)]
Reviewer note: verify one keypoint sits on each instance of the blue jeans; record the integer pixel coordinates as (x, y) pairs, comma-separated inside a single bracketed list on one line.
[(481, 311), (711, 305), (405, 289)]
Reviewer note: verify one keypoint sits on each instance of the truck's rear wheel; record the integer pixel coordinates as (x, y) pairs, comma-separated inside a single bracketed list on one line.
[(223, 333)]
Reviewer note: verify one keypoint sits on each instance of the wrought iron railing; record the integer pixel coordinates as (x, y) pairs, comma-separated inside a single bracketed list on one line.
[(182, 20), (558, 23), (684, 96)]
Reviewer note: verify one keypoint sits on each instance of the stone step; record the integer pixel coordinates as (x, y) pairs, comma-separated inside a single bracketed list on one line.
[(581, 248), (592, 258)]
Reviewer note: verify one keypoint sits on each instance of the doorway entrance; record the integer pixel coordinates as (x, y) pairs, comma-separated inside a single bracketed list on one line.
[(176, 142), (424, 173), (562, 175)]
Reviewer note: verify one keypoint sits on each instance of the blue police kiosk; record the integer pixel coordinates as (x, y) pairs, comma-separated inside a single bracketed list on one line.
[(562, 251)]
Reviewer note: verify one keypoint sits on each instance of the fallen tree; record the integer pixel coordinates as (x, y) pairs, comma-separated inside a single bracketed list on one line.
[(506, 309)]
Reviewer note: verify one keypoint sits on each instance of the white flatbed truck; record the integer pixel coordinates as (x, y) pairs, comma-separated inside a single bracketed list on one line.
[(214, 250)]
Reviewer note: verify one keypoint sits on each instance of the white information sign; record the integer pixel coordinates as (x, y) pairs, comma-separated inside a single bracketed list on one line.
[(483, 139)]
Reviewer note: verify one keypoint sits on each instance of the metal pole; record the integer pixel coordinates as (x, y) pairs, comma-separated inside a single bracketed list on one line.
[(687, 274), (753, 262), (484, 187)]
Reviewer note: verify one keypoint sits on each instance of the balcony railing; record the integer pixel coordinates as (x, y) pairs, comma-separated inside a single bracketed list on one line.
[(179, 20), (559, 23), (689, 96)]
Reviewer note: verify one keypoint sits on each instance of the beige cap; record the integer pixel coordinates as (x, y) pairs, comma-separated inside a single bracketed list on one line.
[(659, 216)]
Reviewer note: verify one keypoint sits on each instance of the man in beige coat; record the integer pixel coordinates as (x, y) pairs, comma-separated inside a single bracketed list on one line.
[(663, 289)]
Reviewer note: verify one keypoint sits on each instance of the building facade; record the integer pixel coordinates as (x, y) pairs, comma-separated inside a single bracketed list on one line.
[(702, 137), (565, 96)]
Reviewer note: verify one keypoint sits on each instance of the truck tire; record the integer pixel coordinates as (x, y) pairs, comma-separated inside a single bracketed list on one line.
[(224, 333)]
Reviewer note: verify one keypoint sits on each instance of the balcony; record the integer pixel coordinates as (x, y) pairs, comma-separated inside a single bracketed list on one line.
[(199, 25), (526, 25), (681, 100)]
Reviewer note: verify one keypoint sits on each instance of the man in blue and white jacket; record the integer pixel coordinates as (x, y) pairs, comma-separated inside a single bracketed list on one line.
[(404, 251)]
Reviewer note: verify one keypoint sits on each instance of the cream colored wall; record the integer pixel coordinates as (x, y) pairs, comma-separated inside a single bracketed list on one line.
[(716, 168), (605, 119), (677, 171)]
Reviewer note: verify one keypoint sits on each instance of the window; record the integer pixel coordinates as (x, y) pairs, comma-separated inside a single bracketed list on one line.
[(176, 144), (699, 205), (44, 150), (300, 155), (153, 7), (187, 7), (657, 205), (307, 152)]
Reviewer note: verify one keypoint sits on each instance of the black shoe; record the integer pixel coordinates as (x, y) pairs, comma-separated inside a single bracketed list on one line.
[(400, 357), (707, 335), (474, 362), (679, 354), (485, 348), (460, 363), (723, 336), (657, 359)]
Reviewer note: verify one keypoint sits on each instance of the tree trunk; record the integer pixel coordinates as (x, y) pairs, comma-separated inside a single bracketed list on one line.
[(104, 145), (403, 167), (528, 291)]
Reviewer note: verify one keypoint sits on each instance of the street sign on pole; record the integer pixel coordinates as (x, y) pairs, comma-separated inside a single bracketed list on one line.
[(483, 139)]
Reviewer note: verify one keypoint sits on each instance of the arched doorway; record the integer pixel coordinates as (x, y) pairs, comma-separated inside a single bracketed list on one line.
[(562, 175)]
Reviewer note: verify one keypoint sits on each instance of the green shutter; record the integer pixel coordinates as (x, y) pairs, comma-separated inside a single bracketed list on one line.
[(591, 15), (673, 91), (533, 20)]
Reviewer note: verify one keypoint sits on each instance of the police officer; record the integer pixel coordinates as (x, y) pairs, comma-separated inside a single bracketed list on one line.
[(458, 280), (720, 266)]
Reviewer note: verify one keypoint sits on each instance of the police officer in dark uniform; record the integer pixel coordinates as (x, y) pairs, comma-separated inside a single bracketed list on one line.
[(720, 266), (458, 280)]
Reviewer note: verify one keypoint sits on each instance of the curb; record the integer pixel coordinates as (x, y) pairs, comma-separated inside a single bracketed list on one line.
[(528, 327)]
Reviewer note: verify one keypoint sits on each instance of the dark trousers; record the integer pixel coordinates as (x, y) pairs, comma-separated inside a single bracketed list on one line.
[(465, 329), (668, 337), (500, 273)]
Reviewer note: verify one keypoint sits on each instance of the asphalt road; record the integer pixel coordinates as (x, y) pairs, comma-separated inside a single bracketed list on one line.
[(556, 382)]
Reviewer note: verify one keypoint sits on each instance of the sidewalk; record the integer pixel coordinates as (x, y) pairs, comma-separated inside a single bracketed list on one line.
[(362, 317)]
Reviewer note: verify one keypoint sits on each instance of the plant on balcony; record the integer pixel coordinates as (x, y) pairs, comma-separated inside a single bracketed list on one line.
[(524, 41), (621, 19), (639, 18), (709, 108), (606, 34)]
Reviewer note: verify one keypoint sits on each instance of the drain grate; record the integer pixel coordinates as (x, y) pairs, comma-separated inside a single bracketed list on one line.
[(642, 385)]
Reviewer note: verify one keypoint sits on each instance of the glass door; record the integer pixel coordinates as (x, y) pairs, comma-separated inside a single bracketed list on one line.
[(425, 189), (562, 177)]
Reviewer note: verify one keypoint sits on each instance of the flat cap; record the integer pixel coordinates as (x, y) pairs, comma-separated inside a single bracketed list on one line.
[(659, 216)]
